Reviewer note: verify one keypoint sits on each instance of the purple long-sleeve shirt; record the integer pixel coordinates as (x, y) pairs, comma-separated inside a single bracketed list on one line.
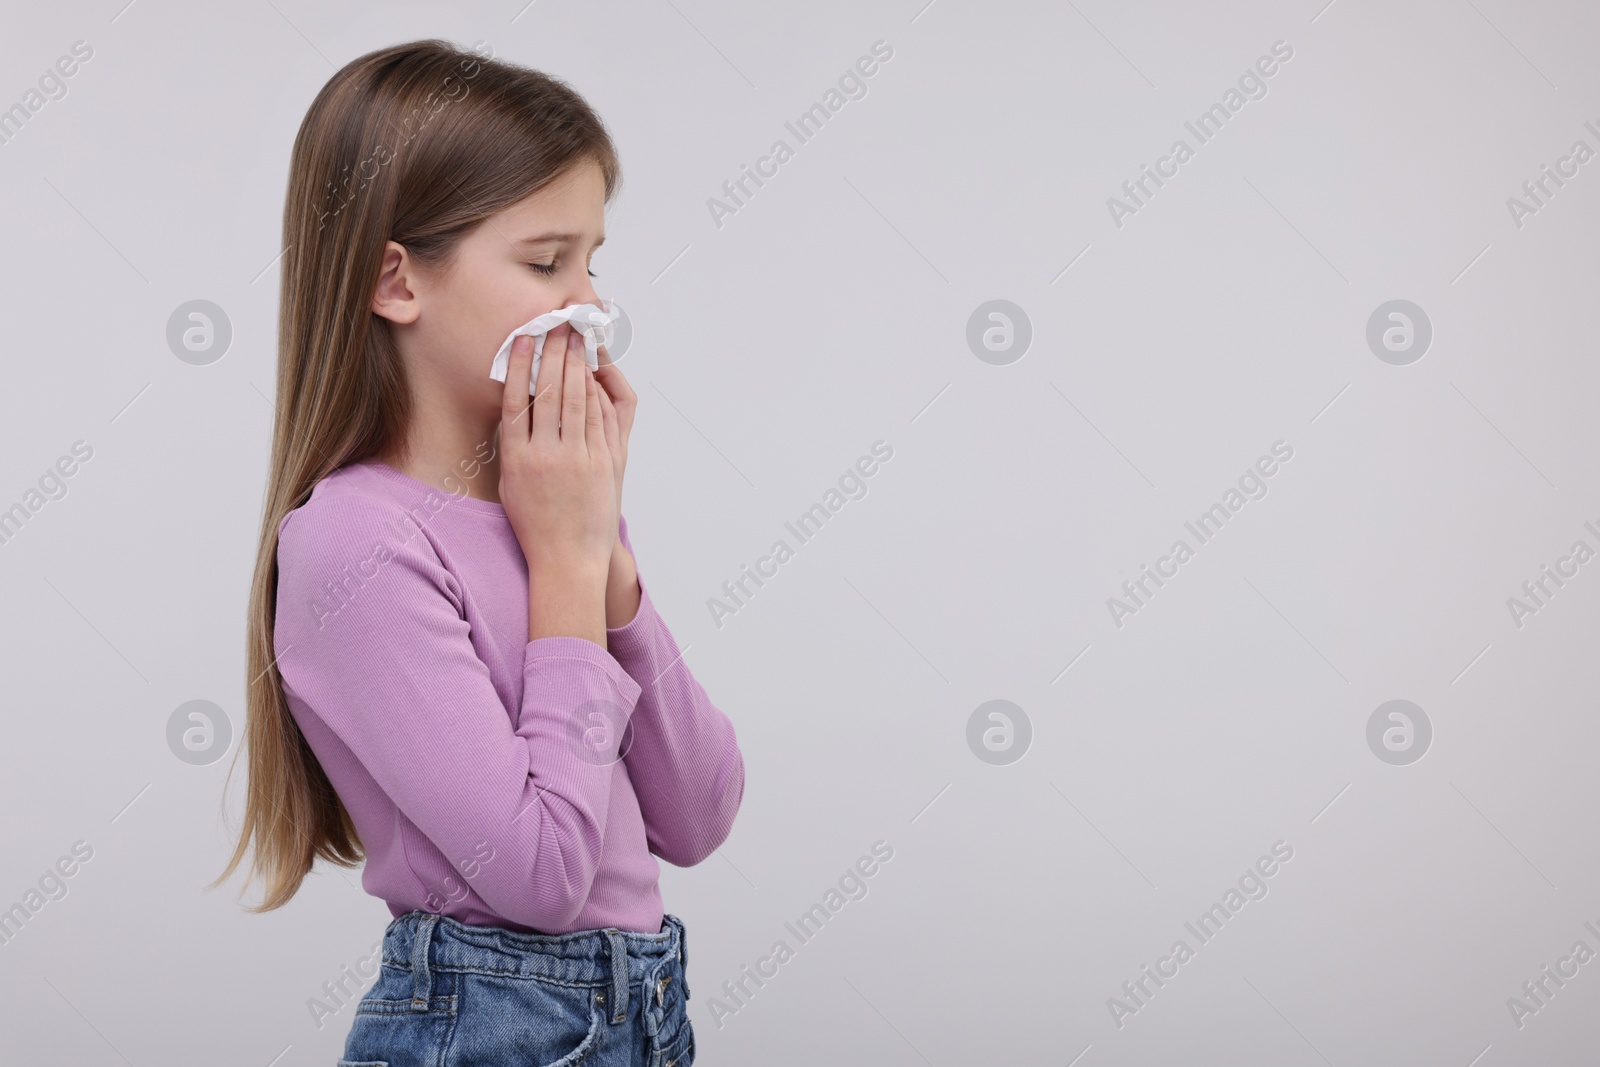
[(480, 768)]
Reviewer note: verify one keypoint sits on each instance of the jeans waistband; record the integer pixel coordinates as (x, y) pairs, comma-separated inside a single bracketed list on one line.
[(422, 942)]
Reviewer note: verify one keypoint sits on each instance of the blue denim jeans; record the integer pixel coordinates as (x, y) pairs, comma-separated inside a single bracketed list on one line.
[(453, 995)]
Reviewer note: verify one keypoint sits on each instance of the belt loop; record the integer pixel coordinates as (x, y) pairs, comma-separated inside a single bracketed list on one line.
[(618, 950), (421, 940)]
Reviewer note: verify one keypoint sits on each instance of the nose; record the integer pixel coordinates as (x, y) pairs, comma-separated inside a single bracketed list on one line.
[(585, 295)]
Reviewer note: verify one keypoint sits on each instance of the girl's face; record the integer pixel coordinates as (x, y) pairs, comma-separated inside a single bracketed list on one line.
[(528, 259)]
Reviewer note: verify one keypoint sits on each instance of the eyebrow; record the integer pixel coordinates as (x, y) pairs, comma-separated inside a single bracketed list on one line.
[(546, 238)]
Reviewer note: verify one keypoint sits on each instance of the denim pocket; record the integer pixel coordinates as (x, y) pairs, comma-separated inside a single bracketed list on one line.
[(529, 1022), (387, 1032), (589, 1045), (679, 1052)]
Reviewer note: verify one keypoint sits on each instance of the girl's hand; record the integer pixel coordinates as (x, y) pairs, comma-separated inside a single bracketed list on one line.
[(622, 580), (557, 474), (618, 403)]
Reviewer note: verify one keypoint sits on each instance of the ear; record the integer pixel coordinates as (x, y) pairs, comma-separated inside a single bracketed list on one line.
[(395, 297)]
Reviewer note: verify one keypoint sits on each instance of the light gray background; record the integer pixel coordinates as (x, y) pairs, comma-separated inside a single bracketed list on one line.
[(769, 354)]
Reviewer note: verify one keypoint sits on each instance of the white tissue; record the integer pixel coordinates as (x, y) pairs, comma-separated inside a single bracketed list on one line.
[(598, 325)]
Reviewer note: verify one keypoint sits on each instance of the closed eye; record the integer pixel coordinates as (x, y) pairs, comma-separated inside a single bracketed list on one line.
[(548, 269)]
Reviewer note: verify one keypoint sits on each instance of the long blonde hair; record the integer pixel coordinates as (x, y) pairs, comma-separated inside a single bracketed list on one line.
[(415, 143)]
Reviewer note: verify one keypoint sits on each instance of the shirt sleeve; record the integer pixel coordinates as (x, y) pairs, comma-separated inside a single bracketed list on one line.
[(371, 636), (684, 756)]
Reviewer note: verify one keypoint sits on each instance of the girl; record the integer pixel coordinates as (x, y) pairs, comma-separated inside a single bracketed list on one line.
[(456, 674)]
